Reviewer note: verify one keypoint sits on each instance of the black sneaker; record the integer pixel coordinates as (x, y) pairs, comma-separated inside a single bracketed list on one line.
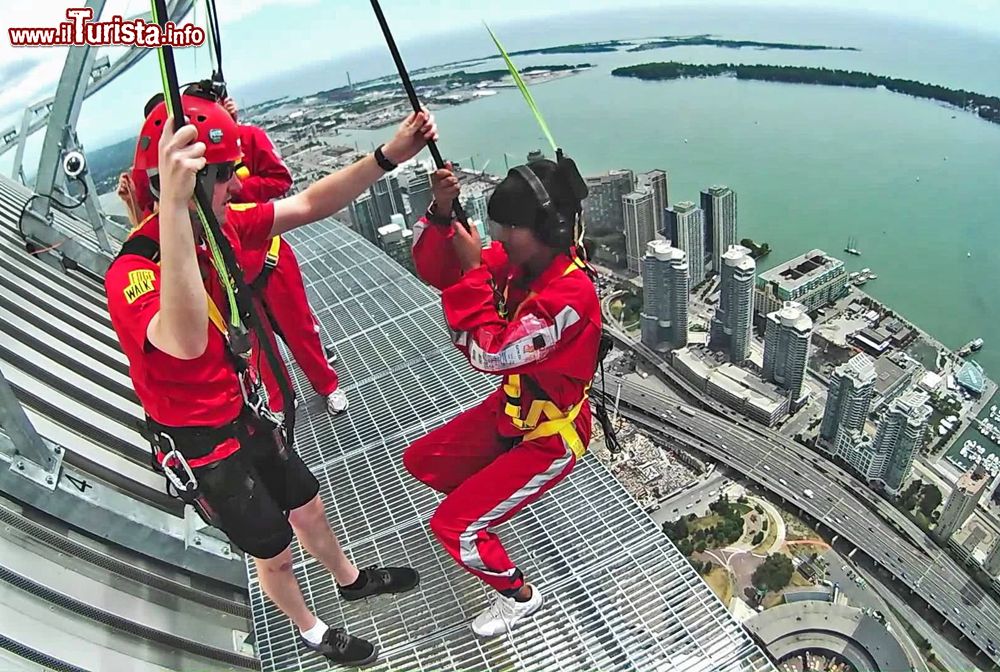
[(343, 648), (381, 581)]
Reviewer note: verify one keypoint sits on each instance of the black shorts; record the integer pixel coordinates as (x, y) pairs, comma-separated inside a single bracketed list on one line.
[(252, 492)]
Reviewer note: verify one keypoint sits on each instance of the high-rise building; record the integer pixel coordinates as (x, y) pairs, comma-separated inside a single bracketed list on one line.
[(813, 279), (962, 502), (786, 348), (848, 402), (419, 193), (664, 296), (475, 202), (388, 198), (719, 205), (991, 564), (396, 240), (685, 228), (656, 182), (365, 217), (732, 325), (602, 209), (900, 435), (638, 208)]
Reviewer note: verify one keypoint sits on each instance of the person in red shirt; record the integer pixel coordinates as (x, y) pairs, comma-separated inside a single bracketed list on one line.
[(169, 309), (524, 309), (276, 276)]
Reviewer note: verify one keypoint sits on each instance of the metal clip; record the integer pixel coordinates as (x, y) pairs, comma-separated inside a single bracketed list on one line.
[(191, 485)]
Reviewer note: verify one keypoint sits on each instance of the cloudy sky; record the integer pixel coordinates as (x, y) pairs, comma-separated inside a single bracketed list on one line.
[(277, 35)]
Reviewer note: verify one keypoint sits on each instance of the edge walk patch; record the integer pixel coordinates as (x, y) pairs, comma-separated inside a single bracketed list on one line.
[(140, 282)]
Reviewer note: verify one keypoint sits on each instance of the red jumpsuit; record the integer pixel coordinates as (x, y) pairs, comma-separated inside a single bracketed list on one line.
[(264, 176), (498, 457)]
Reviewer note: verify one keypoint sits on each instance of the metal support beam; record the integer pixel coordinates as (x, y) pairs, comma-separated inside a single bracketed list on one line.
[(90, 505), (32, 457), (42, 232)]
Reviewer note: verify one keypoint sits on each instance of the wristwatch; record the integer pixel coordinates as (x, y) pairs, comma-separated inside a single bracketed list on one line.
[(434, 218), (383, 162)]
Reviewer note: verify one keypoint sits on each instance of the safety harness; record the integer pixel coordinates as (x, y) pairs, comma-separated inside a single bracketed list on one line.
[(270, 263), (177, 451), (557, 421)]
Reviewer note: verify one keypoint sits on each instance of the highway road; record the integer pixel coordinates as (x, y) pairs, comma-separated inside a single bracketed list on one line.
[(841, 502)]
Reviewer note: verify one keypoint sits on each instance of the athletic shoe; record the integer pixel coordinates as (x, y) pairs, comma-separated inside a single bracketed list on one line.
[(343, 648), (336, 402), (505, 613), (331, 356), (382, 581)]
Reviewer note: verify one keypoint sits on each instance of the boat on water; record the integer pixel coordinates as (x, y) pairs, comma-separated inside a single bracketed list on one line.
[(852, 247), (976, 345)]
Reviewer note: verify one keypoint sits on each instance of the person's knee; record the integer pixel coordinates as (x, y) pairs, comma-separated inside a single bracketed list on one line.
[(309, 515), (277, 564), (443, 524)]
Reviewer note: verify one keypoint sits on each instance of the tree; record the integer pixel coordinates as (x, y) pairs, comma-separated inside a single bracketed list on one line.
[(758, 538), (774, 574), (700, 547), (930, 499)]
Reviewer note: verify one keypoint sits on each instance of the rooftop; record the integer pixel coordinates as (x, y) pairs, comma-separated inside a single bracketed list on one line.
[(972, 377), (888, 374), (793, 314), (620, 596), (802, 269)]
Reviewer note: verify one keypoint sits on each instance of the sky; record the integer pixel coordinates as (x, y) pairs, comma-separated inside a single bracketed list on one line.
[(263, 38)]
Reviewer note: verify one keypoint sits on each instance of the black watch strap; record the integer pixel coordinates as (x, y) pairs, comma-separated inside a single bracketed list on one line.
[(383, 162), (434, 218)]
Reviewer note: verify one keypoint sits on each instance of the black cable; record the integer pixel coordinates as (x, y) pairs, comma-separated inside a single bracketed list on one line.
[(213, 26), (411, 93)]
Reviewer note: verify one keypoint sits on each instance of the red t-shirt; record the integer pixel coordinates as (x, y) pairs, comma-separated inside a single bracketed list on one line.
[(202, 392)]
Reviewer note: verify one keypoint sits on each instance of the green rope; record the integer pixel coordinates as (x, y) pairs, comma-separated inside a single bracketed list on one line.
[(225, 278), (524, 90)]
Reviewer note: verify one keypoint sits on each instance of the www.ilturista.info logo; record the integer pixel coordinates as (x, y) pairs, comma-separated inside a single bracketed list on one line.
[(81, 30)]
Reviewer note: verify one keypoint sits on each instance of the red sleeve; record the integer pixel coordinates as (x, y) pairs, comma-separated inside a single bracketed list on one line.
[(132, 285), (546, 325), (252, 223), (268, 177), (435, 260)]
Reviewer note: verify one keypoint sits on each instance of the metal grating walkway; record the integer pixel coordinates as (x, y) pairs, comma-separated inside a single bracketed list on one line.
[(619, 596)]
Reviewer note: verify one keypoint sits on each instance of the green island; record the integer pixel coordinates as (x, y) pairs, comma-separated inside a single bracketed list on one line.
[(463, 77), (709, 41), (987, 107)]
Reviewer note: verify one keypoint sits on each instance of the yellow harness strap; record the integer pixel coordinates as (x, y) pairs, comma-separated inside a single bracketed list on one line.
[(272, 253), (215, 316), (556, 422)]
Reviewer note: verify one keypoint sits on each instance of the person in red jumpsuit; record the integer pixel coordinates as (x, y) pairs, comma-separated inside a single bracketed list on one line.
[(524, 309), (169, 309), (277, 278)]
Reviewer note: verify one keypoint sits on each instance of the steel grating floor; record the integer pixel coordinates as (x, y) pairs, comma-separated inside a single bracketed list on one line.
[(619, 596)]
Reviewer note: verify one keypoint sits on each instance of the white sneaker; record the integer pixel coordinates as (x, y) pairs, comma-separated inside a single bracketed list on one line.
[(505, 613), (336, 402)]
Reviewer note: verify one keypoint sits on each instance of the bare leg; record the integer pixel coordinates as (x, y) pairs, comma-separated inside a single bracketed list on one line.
[(314, 533), (280, 584)]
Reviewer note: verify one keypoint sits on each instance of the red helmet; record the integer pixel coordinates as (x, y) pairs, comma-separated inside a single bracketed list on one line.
[(215, 127)]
